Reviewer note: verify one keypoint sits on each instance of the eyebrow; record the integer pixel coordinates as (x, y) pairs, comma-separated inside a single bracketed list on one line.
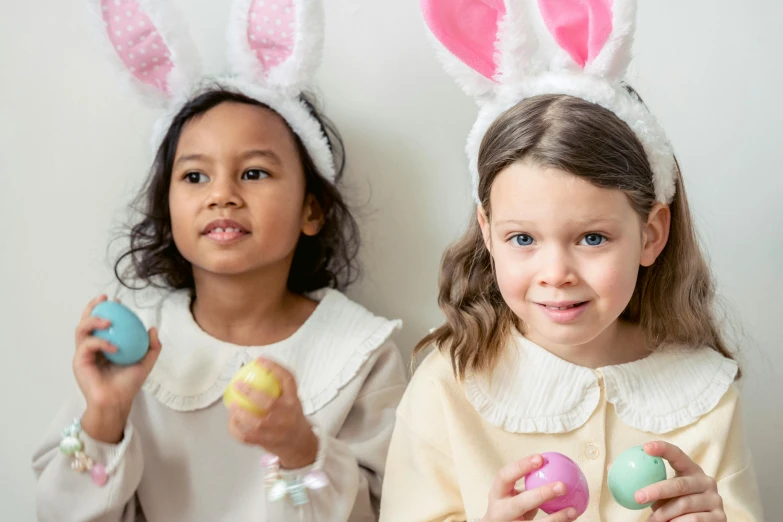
[(253, 153), (579, 222)]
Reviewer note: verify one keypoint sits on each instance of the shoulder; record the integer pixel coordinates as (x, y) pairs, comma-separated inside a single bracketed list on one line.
[(151, 303), (432, 390)]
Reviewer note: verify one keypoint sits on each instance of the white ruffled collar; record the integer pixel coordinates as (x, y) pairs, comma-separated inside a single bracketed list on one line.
[(534, 391), (194, 368)]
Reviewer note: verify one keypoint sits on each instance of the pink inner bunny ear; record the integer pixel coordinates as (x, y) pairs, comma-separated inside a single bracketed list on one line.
[(270, 31), (468, 29), (137, 42), (580, 27)]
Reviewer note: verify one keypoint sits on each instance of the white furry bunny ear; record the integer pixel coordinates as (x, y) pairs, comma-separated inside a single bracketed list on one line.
[(465, 33), (593, 37), (155, 55), (276, 43)]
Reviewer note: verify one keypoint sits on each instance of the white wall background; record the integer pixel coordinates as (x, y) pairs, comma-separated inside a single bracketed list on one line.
[(73, 148)]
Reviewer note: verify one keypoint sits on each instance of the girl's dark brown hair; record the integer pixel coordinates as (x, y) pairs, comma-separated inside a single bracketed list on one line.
[(327, 259), (673, 298)]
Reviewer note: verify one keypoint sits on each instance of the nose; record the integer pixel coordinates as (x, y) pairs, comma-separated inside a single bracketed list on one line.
[(224, 193), (557, 267)]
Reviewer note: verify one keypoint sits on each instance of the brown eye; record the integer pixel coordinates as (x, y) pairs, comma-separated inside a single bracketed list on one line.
[(255, 174), (195, 177)]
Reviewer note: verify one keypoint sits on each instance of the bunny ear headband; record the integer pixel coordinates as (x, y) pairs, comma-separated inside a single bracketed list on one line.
[(274, 49), (504, 51)]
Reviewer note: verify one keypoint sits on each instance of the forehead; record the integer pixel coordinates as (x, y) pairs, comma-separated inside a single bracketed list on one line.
[(236, 126), (527, 192)]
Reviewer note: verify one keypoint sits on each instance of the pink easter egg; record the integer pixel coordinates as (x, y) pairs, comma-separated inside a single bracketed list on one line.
[(559, 468)]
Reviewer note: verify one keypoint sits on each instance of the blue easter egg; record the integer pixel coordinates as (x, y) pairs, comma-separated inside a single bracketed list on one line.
[(126, 332)]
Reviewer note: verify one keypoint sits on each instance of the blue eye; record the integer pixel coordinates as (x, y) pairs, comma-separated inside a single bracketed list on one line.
[(196, 177), (522, 240), (255, 174), (593, 239)]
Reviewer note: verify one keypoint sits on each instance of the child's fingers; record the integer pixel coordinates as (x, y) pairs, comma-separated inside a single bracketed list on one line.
[(151, 357), (91, 346), (679, 460), (283, 376), (245, 421), (712, 516), (92, 304), (531, 500), (673, 488), (703, 503), (510, 474), (89, 324), (260, 399), (565, 515), (239, 429)]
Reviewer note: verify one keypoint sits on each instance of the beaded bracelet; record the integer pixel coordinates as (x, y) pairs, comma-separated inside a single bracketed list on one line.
[(295, 488), (72, 445)]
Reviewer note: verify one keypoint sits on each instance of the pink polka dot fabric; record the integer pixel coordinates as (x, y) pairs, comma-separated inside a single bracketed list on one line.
[(270, 30), (137, 42)]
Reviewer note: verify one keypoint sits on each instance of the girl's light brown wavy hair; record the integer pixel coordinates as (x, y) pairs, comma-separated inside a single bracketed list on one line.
[(673, 298)]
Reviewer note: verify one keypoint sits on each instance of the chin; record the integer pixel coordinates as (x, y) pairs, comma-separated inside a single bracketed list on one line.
[(570, 335), (226, 267)]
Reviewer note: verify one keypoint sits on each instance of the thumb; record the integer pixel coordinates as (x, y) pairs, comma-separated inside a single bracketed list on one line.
[(152, 354)]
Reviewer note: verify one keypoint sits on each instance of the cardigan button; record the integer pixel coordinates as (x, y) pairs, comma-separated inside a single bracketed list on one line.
[(593, 452)]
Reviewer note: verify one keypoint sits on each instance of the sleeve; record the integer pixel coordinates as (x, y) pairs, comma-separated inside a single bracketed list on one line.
[(421, 480), (64, 495), (354, 460), (736, 476)]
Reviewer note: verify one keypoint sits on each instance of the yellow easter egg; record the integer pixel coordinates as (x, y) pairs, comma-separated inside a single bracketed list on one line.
[(259, 378)]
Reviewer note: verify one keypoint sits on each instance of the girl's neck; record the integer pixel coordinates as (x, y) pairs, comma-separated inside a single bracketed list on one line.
[(248, 309), (621, 343)]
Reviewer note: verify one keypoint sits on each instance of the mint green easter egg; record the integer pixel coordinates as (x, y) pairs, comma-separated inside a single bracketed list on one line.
[(631, 471)]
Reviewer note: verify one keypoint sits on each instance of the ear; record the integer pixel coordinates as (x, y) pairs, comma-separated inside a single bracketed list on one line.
[(465, 33), (597, 35), (149, 44), (277, 43), (655, 234), (312, 216), (486, 229)]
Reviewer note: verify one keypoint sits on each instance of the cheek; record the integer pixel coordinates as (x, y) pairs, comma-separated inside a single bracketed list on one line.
[(614, 278), (512, 274), (278, 220), (181, 217)]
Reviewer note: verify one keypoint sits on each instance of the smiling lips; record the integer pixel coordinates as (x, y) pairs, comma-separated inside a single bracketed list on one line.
[(563, 312), (224, 231)]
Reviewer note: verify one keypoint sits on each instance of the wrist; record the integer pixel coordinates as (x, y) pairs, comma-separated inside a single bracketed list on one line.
[(104, 424), (303, 450)]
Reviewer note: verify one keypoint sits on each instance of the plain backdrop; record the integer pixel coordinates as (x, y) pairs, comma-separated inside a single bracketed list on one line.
[(74, 148)]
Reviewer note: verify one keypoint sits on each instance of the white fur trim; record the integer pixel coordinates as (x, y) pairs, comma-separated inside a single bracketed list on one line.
[(279, 89), (292, 110), (517, 45), (472, 82), (297, 72), (241, 58), (184, 55), (612, 62), (531, 63), (614, 98)]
